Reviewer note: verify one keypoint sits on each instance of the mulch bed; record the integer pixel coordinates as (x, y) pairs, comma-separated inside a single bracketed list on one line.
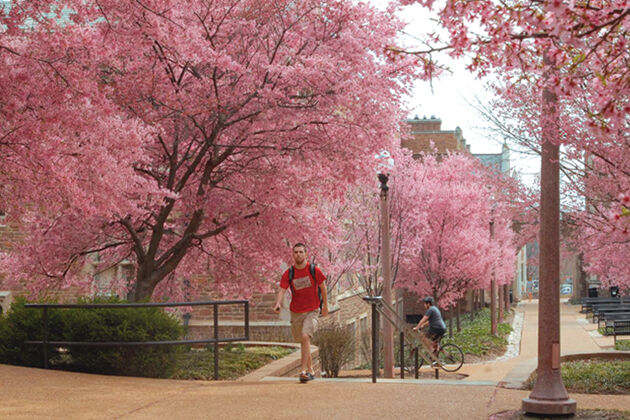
[(580, 415)]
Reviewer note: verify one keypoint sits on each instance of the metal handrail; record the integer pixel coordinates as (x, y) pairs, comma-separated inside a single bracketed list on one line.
[(413, 337), (215, 340)]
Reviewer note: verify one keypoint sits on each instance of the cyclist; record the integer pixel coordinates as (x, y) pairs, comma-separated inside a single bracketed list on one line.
[(432, 318)]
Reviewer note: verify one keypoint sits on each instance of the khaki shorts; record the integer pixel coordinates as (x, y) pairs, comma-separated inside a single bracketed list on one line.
[(305, 322)]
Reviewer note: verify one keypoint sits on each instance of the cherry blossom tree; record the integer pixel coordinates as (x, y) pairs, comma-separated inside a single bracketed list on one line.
[(457, 252), (362, 225), (214, 129)]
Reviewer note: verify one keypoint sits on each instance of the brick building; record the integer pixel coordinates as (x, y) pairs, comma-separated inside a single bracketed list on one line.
[(426, 135)]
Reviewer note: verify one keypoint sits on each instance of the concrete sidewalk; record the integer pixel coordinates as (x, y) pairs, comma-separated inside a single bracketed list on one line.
[(40, 394)]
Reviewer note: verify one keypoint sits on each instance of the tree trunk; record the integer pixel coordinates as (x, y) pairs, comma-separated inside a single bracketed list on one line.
[(144, 286), (506, 299), (458, 313), (580, 285), (450, 322), (472, 304), (501, 303)]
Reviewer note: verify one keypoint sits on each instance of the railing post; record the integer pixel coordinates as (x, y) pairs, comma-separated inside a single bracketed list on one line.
[(45, 336), (375, 354), (374, 300), (216, 342), (402, 355), (417, 368), (247, 320)]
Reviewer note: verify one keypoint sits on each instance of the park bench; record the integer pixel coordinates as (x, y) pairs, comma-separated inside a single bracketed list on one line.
[(599, 310), (608, 322), (620, 327), (610, 315), (587, 303)]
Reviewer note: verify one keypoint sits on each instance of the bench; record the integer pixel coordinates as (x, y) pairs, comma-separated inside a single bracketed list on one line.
[(620, 327), (599, 310), (609, 318), (587, 303)]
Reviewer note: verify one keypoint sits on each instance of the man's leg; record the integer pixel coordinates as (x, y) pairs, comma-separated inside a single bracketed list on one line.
[(305, 347), (308, 329), (297, 322)]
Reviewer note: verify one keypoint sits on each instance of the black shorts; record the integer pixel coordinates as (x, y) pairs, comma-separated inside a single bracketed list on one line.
[(435, 333)]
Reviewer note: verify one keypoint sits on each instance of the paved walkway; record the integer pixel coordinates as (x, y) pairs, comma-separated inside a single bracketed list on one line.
[(40, 394)]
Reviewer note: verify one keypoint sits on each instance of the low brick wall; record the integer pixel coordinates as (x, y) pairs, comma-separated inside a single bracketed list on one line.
[(288, 366), (272, 333)]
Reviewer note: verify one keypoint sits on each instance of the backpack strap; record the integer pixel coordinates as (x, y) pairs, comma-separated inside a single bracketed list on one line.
[(291, 275), (311, 268)]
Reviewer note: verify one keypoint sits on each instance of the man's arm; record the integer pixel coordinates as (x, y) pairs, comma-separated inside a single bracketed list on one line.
[(322, 287), (279, 300), (423, 323)]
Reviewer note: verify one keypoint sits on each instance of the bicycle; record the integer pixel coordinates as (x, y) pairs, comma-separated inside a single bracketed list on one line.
[(450, 358)]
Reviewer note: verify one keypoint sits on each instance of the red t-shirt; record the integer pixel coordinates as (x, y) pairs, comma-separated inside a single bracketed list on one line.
[(305, 297)]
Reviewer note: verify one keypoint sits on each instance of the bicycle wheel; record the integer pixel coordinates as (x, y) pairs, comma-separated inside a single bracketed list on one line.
[(451, 357)]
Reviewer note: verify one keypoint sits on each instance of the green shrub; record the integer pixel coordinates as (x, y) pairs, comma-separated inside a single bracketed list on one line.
[(336, 348), (97, 325), (21, 324), (122, 325)]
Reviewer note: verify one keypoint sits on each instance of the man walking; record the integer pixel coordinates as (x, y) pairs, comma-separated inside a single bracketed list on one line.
[(306, 282)]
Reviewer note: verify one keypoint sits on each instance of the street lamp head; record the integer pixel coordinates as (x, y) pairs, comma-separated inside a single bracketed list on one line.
[(385, 163), (383, 179)]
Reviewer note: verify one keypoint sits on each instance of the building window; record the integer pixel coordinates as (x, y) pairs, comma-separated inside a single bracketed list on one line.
[(3, 217)]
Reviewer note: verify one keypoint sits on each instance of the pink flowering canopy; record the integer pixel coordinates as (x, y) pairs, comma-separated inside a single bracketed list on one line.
[(186, 137), (453, 249)]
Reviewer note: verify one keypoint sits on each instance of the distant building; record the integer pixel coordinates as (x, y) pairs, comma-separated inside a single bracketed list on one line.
[(425, 135), (500, 162)]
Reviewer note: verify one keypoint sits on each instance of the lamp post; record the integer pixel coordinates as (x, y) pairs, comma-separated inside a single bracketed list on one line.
[(549, 395), (385, 164)]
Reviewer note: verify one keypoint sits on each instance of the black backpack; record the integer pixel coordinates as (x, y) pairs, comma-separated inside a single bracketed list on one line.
[(311, 269)]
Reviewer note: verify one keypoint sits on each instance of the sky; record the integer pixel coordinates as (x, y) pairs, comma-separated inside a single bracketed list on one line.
[(449, 98)]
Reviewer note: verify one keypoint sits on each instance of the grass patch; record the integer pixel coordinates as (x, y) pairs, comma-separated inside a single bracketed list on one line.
[(234, 361), (593, 376), (623, 345), (475, 337)]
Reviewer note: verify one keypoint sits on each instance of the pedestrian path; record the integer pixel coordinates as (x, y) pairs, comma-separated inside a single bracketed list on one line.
[(36, 394), (513, 368)]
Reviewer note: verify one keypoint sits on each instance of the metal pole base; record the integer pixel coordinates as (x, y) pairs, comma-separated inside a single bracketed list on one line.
[(549, 407)]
